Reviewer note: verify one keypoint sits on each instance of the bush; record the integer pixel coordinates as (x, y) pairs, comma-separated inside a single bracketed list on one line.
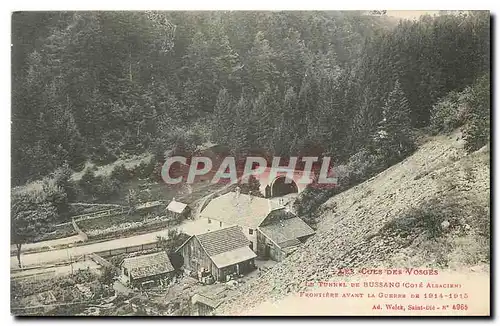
[(108, 275), (448, 113), (144, 169), (103, 156), (88, 181), (121, 173), (99, 187), (477, 129), (251, 187), (173, 241)]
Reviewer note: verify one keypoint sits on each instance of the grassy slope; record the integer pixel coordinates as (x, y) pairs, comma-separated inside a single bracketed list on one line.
[(393, 220)]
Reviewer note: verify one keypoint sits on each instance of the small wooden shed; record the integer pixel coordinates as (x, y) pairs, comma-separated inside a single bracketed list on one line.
[(178, 210), (145, 269)]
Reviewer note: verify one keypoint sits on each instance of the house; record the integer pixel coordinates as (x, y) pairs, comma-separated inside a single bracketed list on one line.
[(280, 233), (146, 269), (272, 230), (235, 208), (177, 210), (220, 253), (205, 302)]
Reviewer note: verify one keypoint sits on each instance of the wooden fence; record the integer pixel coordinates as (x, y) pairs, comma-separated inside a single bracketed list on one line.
[(107, 212), (124, 250), (82, 234)]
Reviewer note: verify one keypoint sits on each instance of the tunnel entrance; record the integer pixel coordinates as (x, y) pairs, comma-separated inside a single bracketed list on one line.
[(282, 186)]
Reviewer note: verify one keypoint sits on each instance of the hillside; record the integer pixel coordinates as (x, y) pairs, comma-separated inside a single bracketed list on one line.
[(393, 220)]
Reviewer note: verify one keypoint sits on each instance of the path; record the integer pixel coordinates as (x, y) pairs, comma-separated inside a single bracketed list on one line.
[(46, 257), (57, 270), (48, 243), (52, 256)]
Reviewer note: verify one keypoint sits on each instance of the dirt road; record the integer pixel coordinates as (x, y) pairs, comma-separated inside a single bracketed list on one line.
[(46, 257), (52, 256)]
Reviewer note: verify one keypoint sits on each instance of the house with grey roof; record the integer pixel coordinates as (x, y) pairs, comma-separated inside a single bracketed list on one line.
[(280, 234), (219, 253), (145, 269)]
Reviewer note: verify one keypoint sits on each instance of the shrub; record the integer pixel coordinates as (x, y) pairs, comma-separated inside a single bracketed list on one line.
[(108, 275), (106, 187), (448, 113), (88, 181), (173, 241), (156, 174), (251, 187), (121, 173), (144, 169), (477, 129)]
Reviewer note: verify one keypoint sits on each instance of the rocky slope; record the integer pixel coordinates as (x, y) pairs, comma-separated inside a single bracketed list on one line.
[(430, 210)]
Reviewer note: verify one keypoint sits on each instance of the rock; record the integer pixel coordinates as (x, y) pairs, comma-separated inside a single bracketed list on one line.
[(445, 225)]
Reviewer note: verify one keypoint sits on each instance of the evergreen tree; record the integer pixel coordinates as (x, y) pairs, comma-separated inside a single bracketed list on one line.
[(394, 135), (223, 117)]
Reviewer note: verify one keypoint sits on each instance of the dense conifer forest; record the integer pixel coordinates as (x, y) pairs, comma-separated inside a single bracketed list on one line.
[(97, 86)]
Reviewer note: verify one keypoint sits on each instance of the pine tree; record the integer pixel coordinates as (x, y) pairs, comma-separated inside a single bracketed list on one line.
[(243, 127), (394, 135), (223, 117), (262, 116)]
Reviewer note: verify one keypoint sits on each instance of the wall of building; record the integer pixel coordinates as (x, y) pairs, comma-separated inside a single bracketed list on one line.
[(275, 253), (195, 258), (155, 278), (201, 309), (244, 268)]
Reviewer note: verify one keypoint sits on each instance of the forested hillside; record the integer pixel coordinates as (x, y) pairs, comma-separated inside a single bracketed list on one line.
[(96, 86)]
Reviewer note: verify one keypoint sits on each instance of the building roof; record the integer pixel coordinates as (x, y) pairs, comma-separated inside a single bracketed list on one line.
[(199, 298), (276, 214), (289, 243), (237, 209), (176, 207), (211, 296), (226, 246), (148, 265), (223, 240), (233, 257), (282, 232)]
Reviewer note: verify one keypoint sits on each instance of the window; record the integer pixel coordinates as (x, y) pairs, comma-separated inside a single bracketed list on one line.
[(250, 231), (209, 221)]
